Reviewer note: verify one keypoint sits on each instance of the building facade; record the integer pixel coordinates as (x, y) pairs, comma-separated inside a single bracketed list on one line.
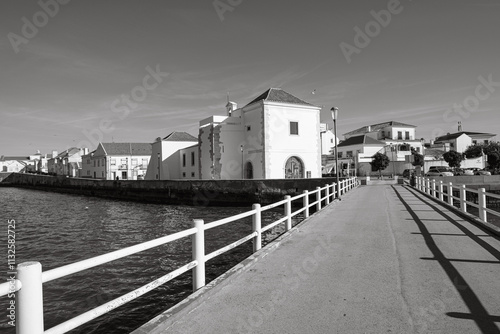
[(275, 136), (117, 161), (174, 157)]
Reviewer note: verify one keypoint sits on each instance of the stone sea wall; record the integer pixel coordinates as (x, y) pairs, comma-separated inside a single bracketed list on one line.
[(189, 192)]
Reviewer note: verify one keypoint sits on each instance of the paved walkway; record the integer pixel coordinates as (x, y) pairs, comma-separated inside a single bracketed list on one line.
[(383, 260)]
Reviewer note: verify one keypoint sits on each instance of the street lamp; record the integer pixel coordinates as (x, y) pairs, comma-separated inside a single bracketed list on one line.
[(159, 169), (393, 163), (335, 113), (241, 148)]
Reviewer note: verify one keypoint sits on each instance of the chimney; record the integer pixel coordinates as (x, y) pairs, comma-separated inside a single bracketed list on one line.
[(459, 126), (369, 128)]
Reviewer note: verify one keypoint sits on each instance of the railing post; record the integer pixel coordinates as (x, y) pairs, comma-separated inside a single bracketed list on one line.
[(482, 204), (198, 247), (318, 198), (305, 200), (428, 186), (327, 195), (256, 226), (334, 191), (433, 187), (29, 299), (288, 213), (463, 196), (450, 193), (440, 190)]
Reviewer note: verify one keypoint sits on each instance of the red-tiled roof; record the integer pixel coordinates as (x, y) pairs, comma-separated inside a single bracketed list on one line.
[(363, 139), (378, 127), (180, 136), (278, 95), (127, 148), (468, 133)]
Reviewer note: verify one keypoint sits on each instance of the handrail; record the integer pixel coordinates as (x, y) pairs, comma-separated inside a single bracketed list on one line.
[(437, 190), (30, 277)]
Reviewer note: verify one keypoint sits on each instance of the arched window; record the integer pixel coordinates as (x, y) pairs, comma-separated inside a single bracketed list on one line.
[(294, 168), (248, 170)]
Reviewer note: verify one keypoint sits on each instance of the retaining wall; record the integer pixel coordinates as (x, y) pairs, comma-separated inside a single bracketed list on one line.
[(189, 192)]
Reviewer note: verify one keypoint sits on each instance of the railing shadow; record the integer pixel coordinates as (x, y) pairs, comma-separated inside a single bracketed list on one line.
[(478, 313)]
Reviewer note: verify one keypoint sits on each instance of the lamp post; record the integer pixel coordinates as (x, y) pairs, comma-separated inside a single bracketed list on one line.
[(393, 163), (335, 113), (241, 148), (159, 169)]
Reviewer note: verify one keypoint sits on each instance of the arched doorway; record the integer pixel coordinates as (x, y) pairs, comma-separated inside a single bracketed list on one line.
[(248, 170), (294, 168)]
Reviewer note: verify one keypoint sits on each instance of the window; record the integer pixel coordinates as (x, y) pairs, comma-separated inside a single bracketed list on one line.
[(294, 128), (184, 162), (94, 163), (249, 128), (124, 161), (183, 174), (339, 154), (88, 172), (348, 154), (113, 162), (407, 135), (98, 162), (192, 159), (192, 174), (144, 162), (400, 135), (134, 162), (331, 141)]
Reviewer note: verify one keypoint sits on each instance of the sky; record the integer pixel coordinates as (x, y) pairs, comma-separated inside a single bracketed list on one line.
[(77, 72)]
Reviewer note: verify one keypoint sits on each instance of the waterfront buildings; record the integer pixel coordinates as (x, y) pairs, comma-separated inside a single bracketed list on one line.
[(68, 162), (274, 136), (111, 161), (395, 139), (174, 157), (460, 140)]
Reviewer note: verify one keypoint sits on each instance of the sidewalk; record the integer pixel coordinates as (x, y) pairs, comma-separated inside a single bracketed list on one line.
[(383, 260)]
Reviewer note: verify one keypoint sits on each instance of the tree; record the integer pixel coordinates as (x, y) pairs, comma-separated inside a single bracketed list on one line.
[(379, 162), (453, 158), (491, 150)]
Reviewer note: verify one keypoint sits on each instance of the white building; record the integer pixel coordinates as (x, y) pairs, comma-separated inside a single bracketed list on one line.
[(111, 161), (328, 139), (177, 156), (275, 136), (459, 141), (394, 139)]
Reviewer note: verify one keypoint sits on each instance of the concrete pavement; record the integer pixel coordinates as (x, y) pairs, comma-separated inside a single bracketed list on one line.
[(383, 260)]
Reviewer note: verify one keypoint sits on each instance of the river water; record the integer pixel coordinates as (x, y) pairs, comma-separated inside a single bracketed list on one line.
[(58, 229)]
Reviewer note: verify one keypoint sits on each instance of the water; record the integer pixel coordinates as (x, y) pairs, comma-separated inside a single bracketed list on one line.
[(58, 229)]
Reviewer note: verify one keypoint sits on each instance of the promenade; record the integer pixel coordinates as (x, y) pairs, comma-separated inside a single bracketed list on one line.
[(385, 259)]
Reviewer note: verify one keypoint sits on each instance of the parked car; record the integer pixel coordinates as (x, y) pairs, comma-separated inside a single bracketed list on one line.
[(482, 172), (439, 171), (464, 171)]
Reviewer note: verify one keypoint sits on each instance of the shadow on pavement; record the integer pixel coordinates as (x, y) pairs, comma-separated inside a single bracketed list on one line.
[(484, 321)]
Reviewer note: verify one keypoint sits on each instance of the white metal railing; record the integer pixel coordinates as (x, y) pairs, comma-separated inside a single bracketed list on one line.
[(439, 190), (28, 285)]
